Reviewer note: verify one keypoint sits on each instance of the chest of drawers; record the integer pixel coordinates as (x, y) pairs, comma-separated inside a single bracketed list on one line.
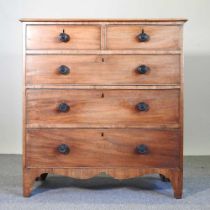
[(103, 96)]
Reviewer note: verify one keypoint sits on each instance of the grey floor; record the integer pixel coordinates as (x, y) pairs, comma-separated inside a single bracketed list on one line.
[(104, 192)]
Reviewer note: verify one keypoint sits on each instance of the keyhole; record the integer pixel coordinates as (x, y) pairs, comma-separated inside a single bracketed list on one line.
[(63, 31), (102, 95), (102, 59), (102, 134)]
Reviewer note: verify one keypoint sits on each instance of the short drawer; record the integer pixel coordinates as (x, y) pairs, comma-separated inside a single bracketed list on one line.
[(101, 108), (48, 37), (144, 37), (102, 69), (102, 148)]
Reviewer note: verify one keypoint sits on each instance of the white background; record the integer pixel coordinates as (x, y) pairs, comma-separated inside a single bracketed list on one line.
[(196, 46)]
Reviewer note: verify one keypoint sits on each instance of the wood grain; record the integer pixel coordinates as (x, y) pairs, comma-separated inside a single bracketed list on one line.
[(102, 107), (161, 38), (102, 69), (174, 174), (105, 130), (102, 148), (46, 37)]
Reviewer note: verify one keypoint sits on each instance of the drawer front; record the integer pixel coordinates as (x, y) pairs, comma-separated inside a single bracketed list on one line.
[(102, 108), (50, 37), (102, 69), (128, 37), (102, 148)]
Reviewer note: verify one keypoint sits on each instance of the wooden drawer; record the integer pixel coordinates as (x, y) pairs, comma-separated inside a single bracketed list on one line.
[(102, 69), (102, 148), (47, 37), (160, 37), (102, 108)]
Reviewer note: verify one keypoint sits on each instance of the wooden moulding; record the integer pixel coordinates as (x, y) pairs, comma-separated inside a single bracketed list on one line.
[(160, 126), (175, 21), (103, 52), (100, 87), (157, 20)]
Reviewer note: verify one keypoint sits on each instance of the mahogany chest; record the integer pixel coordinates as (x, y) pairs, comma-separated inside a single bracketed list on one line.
[(103, 96)]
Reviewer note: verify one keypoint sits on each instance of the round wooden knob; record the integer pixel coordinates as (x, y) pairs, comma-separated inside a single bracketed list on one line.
[(142, 69), (142, 149), (63, 69), (143, 37), (63, 149), (143, 107), (63, 37), (63, 107)]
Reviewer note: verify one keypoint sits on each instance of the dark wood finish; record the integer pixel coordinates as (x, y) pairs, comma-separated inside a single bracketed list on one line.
[(105, 108), (102, 69), (101, 89)]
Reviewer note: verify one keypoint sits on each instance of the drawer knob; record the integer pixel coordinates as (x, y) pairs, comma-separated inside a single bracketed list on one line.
[(63, 149), (143, 37), (143, 107), (142, 149), (63, 70), (63, 37), (63, 107), (143, 69)]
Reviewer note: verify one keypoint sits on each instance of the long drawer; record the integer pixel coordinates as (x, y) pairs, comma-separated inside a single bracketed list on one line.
[(154, 37), (102, 69), (102, 148), (101, 108), (48, 37)]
